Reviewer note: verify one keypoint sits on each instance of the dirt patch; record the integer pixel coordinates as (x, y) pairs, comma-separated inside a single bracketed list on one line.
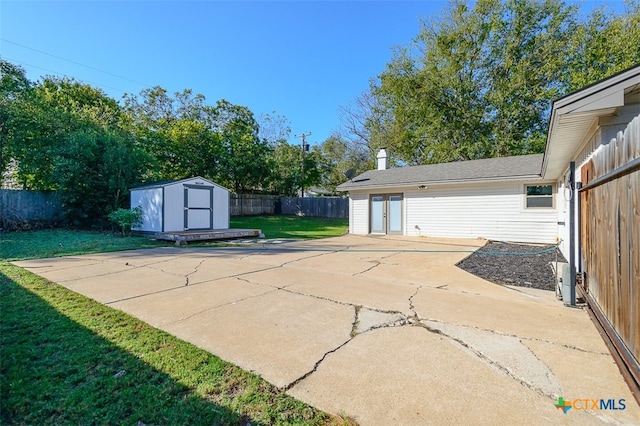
[(521, 265)]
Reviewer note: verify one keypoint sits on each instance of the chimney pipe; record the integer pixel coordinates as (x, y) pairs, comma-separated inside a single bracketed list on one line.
[(382, 159)]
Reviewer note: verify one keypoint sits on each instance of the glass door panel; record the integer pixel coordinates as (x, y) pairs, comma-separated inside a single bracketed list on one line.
[(378, 220), (395, 214)]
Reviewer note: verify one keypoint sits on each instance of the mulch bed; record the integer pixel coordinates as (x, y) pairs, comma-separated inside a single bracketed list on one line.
[(514, 264)]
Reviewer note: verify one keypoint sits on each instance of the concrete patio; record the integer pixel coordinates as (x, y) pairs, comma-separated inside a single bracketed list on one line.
[(384, 329)]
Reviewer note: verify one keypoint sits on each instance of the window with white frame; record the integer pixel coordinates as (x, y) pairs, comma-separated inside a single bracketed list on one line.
[(539, 196)]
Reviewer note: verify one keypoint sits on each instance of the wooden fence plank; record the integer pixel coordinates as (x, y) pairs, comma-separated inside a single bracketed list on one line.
[(611, 235)]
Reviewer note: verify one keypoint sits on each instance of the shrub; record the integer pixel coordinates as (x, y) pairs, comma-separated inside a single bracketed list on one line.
[(126, 218)]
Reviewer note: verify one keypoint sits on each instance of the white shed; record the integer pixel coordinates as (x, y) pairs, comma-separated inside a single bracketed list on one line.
[(193, 204)]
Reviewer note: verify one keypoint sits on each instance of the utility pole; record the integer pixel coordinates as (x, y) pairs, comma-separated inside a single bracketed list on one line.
[(305, 147)]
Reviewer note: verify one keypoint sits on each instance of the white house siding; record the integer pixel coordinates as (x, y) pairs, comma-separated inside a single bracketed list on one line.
[(492, 210), (358, 213)]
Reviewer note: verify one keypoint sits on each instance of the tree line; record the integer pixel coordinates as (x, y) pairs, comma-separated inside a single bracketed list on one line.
[(476, 82), (61, 134)]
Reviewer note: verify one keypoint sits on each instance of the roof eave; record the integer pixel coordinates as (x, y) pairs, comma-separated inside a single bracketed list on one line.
[(346, 188), (588, 104)]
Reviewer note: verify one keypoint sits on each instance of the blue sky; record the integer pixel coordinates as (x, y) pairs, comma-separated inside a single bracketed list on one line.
[(299, 59)]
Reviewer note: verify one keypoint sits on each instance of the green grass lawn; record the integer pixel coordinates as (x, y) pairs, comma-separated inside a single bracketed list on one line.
[(64, 242), (66, 359), (292, 226)]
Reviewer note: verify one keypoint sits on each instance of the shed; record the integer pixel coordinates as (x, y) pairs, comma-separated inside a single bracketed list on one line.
[(193, 204)]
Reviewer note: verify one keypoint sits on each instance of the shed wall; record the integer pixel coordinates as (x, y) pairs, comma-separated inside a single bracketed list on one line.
[(174, 207), (150, 200), (221, 211)]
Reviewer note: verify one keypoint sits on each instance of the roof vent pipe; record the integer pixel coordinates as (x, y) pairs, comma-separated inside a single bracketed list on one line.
[(382, 159)]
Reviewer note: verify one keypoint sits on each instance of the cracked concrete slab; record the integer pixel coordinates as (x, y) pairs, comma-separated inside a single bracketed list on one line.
[(109, 287), (355, 291), (71, 269), (509, 313), (587, 375), (278, 335), (369, 320), (413, 377), (384, 329), (506, 353), (182, 303)]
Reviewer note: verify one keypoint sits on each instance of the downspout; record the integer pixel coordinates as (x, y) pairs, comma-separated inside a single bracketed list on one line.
[(572, 232), (578, 186)]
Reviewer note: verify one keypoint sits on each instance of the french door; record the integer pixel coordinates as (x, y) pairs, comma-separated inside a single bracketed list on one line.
[(386, 214)]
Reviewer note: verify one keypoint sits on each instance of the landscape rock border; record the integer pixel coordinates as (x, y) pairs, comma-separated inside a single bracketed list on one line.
[(517, 264)]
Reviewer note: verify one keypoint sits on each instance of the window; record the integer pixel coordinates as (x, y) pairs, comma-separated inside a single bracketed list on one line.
[(539, 196)]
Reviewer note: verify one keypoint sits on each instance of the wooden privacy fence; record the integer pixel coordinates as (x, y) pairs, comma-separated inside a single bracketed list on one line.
[(21, 209), (610, 235), (333, 207), (252, 204), (246, 205)]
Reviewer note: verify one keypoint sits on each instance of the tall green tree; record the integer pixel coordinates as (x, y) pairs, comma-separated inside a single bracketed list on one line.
[(604, 45), (94, 172), (69, 136), (286, 169), (190, 138), (479, 80), (244, 161), (476, 82), (14, 88)]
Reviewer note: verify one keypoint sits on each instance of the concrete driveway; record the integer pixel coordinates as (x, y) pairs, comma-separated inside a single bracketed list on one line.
[(384, 329)]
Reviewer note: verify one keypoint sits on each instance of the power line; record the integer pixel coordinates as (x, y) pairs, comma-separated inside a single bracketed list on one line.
[(74, 62), (65, 75)]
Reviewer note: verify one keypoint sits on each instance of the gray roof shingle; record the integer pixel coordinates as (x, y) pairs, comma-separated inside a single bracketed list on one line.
[(488, 169)]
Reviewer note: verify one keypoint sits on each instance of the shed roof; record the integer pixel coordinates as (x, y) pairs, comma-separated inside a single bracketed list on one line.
[(519, 167), (164, 183)]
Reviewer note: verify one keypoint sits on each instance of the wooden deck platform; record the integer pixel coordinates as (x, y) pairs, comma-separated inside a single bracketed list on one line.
[(214, 234)]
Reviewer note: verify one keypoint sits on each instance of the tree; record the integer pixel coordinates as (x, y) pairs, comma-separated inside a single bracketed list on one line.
[(604, 45), (14, 87), (286, 169), (244, 160), (95, 172), (177, 132), (43, 117), (189, 138), (336, 156), (477, 82), (68, 136), (274, 128)]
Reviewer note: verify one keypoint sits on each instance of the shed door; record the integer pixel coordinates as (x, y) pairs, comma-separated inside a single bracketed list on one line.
[(198, 207)]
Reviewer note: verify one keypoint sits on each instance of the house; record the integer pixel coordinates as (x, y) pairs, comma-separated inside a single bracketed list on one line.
[(496, 198), (583, 192), (193, 204), (519, 198)]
